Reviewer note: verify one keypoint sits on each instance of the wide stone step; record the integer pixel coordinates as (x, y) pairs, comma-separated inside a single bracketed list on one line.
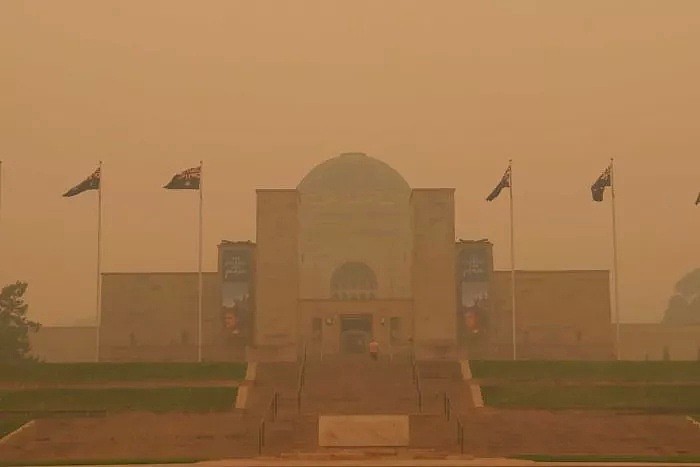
[(440, 370)]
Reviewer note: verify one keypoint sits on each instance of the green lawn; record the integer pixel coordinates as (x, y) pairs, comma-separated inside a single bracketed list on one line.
[(67, 373), (598, 458), (107, 462), (8, 424), (587, 371), (176, 399), (672, 398)]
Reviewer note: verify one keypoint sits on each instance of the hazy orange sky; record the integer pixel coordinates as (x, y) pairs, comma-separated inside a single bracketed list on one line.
[(444, 91)]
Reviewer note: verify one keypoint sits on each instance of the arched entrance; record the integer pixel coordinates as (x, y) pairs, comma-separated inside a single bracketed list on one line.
[(353, 281), (355, 333)]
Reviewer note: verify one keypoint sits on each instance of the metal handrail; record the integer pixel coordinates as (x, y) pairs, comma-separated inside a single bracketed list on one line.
[(416, 380), (272, 409), (460, 435), (302, 378), (447, 403)]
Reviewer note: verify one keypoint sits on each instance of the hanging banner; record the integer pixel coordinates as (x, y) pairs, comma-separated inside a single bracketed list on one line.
[(474, 277), (236, 304)]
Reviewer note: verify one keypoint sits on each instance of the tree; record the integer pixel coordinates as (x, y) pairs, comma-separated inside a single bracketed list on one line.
[(684, 305), (14, 324)]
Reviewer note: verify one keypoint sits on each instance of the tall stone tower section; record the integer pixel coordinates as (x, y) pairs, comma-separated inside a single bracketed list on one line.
[(433, 272), (277, 274)]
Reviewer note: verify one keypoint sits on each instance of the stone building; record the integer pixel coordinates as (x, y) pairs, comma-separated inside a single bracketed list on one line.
[(353, 252)]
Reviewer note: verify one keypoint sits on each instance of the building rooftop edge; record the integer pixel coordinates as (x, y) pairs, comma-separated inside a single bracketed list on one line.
[(462, 241), (162, 273), (236, 242), (273, 190), (552, 271), (433, 189)]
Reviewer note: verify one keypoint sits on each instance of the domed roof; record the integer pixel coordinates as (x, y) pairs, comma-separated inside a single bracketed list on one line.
[(353, 172)]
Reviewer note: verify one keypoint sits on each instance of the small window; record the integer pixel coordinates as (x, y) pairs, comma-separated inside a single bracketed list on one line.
[(395, 330), (316, 329)]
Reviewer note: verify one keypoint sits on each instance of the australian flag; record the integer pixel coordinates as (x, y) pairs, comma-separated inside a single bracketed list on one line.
[(186, 180), (599, 185), (90, 183), (504, 183)]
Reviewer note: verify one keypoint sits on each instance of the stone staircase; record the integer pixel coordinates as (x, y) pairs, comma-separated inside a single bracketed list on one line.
[(444, 378), (345, 385), (351, 384), (274, 377)]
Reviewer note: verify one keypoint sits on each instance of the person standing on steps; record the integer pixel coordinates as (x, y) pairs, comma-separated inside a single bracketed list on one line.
[(374, 349)]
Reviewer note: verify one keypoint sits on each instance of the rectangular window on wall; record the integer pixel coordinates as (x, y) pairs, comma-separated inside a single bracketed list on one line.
[(395, 330)]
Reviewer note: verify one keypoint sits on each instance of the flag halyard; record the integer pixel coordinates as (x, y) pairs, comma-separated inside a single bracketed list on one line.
[(189, 179), (90, 183)]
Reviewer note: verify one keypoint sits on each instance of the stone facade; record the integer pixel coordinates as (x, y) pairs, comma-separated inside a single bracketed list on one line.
[(277, 272), (64, 344), (659, 342), (354, 253), (354, 209), (433, 270), (559, 315), (153, 317)]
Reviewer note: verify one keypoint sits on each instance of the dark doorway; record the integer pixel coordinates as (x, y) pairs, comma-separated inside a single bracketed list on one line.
[(355, 333)]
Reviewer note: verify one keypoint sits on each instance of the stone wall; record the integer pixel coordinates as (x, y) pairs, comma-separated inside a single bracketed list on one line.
[(277, 269), (369, 228), (433, 269), (329, 313), (659, 342), (153, 317), (559, 315), (64, 344)]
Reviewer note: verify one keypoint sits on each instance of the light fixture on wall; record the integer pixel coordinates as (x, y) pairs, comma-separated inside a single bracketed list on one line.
[(382, 321), (330, 321)]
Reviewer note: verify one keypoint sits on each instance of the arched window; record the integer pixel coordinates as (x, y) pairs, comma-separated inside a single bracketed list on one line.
[(353, 281)]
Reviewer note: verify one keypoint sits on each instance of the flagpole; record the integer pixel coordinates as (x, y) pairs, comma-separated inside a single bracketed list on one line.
[(199, 270), (0, 189), (615, 277), (98, 310), (512, 258)]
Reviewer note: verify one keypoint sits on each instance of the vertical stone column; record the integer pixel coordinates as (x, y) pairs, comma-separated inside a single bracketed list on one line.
[(433, 272), (277, 274)]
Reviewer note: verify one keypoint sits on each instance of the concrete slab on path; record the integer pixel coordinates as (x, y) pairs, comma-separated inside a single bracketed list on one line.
[(363, 430)]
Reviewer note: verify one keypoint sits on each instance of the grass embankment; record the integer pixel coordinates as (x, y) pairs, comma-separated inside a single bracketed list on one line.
[(8, 424), (648, 386), (44, 398), (179, 399), (577, 371), (155, 461), (76, 373), (596, 458), (682, 399)]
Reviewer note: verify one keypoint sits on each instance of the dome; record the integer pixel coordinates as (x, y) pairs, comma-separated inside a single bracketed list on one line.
[(353, 173)]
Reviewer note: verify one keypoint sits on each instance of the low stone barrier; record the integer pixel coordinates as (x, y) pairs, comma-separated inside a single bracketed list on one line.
[(363, 430)]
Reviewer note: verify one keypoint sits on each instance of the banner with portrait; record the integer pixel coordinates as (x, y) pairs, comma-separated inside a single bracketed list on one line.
[(474, 268), (236, 303)]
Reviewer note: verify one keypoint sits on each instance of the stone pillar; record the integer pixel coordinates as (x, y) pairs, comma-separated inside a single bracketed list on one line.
[(433, 272), (277, 276)]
